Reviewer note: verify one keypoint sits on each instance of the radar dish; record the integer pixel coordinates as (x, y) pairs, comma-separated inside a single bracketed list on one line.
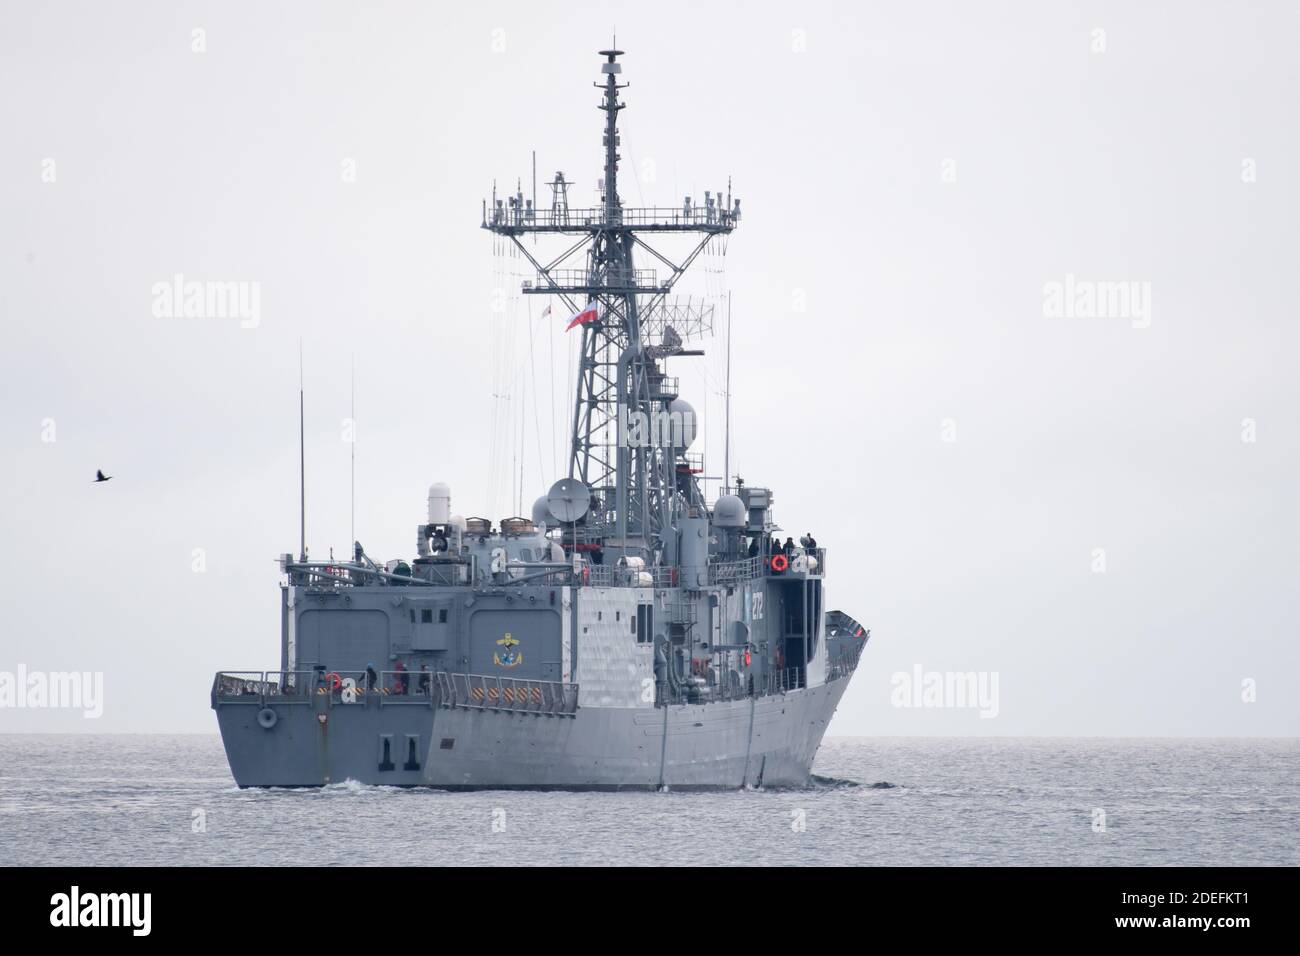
[(568, 500)]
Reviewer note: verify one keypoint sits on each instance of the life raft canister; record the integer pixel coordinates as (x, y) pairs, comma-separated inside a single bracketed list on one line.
[(780, 562)]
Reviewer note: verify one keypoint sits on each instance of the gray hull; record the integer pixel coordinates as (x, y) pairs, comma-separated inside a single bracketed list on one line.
[(768, 741), (642, 629)]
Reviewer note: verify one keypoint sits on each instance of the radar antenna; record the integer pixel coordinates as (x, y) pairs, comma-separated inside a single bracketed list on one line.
[(634, 489)]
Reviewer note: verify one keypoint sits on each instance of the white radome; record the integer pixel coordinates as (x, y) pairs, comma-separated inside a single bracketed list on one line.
[(439, 503)]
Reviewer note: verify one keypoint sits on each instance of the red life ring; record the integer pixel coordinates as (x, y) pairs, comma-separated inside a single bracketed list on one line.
[(334, 680), (780, 562)]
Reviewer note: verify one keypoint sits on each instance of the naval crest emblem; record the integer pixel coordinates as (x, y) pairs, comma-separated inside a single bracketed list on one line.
[(508, 656)]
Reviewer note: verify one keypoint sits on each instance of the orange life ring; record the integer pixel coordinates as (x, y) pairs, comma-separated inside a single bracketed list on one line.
[(780, 562), (334, 680)]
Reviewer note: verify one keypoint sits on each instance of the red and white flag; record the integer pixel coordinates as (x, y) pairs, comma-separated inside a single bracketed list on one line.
[(589, 314)]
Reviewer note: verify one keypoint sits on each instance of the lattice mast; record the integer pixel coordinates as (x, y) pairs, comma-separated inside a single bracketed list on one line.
[(620, 366)]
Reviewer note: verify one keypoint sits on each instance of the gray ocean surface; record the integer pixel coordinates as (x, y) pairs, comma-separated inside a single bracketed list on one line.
[(140, 800)]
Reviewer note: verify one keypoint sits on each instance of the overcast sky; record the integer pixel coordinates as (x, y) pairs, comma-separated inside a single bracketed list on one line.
[(914, 177)]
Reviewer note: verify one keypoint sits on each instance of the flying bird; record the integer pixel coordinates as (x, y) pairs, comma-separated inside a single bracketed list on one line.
[(100, 476)]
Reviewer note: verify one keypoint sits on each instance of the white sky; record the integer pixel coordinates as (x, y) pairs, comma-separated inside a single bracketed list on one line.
[(923, 301)]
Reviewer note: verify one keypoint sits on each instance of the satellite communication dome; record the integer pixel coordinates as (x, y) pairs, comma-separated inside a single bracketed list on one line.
[(542, 512), (568, 500), (729, 512), (682, 411)]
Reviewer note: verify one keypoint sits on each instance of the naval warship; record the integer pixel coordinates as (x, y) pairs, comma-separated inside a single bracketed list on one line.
[(629, 633)]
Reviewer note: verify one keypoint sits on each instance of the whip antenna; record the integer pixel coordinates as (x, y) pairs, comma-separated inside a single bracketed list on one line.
[(353, 436), (302, 464)]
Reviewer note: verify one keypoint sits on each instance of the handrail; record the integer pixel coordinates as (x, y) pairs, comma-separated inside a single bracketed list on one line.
[(786, 680), (257, 687), (302, 687), (847, 661), (715, 216), (472, 691), (730, 572), (491, 692), (801, 563), (608, 575)]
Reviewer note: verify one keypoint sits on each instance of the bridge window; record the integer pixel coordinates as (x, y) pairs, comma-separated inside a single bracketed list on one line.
[(426, 615)]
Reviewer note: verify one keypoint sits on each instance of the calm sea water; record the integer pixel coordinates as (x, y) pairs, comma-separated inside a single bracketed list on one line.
[(138, 800)]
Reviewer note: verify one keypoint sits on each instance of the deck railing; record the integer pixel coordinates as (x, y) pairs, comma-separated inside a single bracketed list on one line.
[(845, 664), (731, 572), (786, 680), (799, 563), (716, 217), (612, 576), (486, 692), (335, 687), (396, 688), (259, 687)]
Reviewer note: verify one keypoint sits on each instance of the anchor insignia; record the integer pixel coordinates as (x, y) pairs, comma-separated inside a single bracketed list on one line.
[(508, 657)]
